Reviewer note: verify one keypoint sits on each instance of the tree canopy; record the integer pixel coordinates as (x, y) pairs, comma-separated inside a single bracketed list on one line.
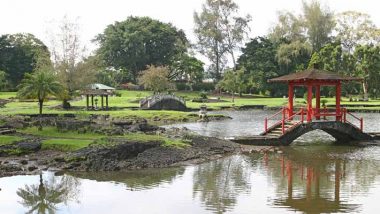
[(18, 55), (137, 42)]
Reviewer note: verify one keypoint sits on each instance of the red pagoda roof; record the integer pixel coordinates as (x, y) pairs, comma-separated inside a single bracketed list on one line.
[(314, 74)]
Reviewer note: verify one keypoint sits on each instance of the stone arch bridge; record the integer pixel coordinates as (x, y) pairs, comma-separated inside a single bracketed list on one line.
[(163, 102)]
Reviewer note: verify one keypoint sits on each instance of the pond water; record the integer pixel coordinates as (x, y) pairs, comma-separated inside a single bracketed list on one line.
[(305, 178)]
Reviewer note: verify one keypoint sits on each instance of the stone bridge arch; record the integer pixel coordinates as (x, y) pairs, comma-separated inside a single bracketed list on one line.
[(342, 132), (163, 102)]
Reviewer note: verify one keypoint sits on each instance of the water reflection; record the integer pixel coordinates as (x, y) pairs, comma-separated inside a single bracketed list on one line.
[(218, 183), (136, 180), (45, 196), (316, 181)]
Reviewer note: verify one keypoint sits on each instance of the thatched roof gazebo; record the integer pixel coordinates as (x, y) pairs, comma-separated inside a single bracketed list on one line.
[(94, 90)]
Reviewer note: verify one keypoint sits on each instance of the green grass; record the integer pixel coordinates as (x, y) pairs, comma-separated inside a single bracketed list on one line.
[(130, 98), (6, 139), (7, 95), (52, 132), (143, 138), (65, 144)]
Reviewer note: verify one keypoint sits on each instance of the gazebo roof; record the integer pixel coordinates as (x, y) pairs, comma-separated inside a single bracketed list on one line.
[(314, 74), (99, 86)]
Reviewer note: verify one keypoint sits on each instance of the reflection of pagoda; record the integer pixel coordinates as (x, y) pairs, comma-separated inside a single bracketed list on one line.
[(310, 174)]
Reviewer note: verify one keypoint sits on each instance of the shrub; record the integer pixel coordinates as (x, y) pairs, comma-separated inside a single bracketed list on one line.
[(209, 86), (203, 95)]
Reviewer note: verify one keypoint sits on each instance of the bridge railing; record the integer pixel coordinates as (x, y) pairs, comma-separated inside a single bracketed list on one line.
[(151, 100), (348, 114), (272, 117), (344, 116)]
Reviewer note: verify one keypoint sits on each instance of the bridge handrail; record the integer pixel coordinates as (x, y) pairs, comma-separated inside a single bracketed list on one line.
[(272, 116), (151, 100), (300, 112), (346, 112)]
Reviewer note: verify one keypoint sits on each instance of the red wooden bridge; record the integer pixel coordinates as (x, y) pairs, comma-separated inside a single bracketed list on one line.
[(289, 123)]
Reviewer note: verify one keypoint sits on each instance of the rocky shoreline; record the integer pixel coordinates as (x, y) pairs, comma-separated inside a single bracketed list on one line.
[(121, 156)]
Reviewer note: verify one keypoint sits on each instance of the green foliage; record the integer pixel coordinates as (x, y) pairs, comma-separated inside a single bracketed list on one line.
[(324, 102), (219, 30), (258, 60), (40, 85), (54, 133), (137, 42), (186, 68), (319, 23), (203, 95), (355, 28), (233, 82), (6, 139), (204, 86), (3, 80), (65, 144), (156, 79), (368, 67), (18, 55)]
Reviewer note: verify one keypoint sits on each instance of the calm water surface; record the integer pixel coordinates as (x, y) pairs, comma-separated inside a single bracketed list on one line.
[(311, 176)]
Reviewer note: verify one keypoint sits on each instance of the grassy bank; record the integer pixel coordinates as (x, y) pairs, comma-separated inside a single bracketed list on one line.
[(72, 141), (6, 139)]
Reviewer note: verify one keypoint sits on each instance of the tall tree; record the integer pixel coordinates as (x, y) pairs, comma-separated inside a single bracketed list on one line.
[(258, 58), (233, 81), (68, 52), (319, 24), (368, 67), (18, 55), (289, 27), (137, 42), (187, 68), (220, 30), (355, 28)]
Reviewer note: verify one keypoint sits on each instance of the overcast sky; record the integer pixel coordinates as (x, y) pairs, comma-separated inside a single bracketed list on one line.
[(34, 16)]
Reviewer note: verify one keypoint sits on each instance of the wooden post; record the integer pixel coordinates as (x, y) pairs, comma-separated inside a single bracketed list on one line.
[(92, 102), (290, 99), (102, 101), (309, 102), (337, 101), (318, 101), (87, 101), (106, 102)]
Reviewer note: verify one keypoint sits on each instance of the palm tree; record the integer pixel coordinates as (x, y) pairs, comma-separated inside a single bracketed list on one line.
[(44, 197), (39, 85)]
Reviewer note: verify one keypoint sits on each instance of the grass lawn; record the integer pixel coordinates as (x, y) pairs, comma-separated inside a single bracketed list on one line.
[(52, 132), (146, 138), (65, 144), (130, 99), (6, 139)]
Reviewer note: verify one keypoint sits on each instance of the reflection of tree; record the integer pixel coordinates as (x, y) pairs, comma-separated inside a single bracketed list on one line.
[(312, 179), (138, 179), (218, 183), (44, 197)]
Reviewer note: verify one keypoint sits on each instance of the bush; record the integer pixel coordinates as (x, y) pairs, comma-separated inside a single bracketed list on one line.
[(203, 95), (181, 86), (209, 86)]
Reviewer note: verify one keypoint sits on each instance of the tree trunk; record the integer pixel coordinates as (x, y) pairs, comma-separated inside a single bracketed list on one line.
[(233, 97), (233, 59), (40, 105), (365, 90)]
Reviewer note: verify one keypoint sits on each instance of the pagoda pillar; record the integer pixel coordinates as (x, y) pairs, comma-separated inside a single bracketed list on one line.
[(309, 102), (290, 99), (337, 101), (318, 101)]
